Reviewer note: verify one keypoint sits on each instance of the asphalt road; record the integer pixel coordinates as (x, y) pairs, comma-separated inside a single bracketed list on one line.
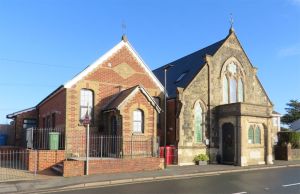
[(283, 180)]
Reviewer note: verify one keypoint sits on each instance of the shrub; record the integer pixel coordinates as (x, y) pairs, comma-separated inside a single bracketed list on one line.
[(291, 137), (201, 157)]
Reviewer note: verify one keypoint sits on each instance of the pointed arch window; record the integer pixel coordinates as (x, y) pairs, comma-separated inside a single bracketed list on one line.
[(198, 121), (254, 134), (233, 88)]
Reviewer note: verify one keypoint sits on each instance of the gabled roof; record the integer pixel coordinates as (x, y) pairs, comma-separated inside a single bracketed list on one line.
[(125, 95), (98, 62), (276, 113), (186, 67), (12, 115)]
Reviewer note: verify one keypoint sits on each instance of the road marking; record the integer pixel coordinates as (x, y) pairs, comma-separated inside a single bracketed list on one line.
[(293, 184), (243, 192)]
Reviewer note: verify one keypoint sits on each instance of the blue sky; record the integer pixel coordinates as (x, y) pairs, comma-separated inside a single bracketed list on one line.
[(45, 43)]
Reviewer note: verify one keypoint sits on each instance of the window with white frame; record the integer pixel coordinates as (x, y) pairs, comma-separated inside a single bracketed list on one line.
[(233, 87), (138, 121), (86, 103)]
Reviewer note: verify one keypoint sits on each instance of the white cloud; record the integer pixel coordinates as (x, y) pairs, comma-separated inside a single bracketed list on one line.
[(289, 51)]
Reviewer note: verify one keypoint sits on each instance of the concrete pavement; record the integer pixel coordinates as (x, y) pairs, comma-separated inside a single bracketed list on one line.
[(172, 172)]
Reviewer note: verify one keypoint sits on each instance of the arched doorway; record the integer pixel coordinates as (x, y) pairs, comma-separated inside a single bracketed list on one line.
[(228, 143)]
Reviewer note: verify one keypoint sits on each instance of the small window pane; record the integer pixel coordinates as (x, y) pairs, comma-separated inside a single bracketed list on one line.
[(232, 90), (232, 68), (225, 90), (138, 121), (86, 103), (257, 135), (250, 135), (240, 91), (181, 76)]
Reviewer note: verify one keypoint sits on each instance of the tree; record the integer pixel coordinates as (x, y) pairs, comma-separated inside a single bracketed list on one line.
[(293, 112)]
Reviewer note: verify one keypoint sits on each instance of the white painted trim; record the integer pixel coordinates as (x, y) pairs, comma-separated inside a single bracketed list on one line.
[(19, 112), (99, 61), (150, 99), (94, 65), (145, 66)]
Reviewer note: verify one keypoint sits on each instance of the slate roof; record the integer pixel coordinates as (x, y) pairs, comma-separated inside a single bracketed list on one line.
[(12, 115), (190, 65), (275, 112), (122, 96), (119, 98)]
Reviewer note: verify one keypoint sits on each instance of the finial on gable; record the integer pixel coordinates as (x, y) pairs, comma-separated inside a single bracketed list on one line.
[(124, 38), (231, 30)]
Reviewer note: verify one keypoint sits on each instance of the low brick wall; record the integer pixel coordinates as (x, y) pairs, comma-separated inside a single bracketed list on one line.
[(76, 168), (73, 168), (44, 159)]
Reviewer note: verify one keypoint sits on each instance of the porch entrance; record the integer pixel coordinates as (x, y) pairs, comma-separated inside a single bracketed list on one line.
[(228, 143)]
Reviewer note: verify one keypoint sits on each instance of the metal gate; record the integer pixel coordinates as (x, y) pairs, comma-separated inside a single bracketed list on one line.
[(14, 165)]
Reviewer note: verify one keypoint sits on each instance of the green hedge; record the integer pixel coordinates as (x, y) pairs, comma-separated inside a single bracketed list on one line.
[(291, 137)]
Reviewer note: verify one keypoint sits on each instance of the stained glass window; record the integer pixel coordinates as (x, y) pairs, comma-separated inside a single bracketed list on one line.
[(198, 123), (240, 91), (232, 90), (225, 90), (232, 68), (250, 135), (257, 135)]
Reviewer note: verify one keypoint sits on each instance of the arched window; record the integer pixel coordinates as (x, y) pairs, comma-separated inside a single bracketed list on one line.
[(225, 90), (257, 135), (198, 123), (240, 91), (86, 103), (250, 135), (138, 121), (233, 88)]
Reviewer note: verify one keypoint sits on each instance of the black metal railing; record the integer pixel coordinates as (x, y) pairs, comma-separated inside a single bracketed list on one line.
[(40, 138), (106, 146)]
